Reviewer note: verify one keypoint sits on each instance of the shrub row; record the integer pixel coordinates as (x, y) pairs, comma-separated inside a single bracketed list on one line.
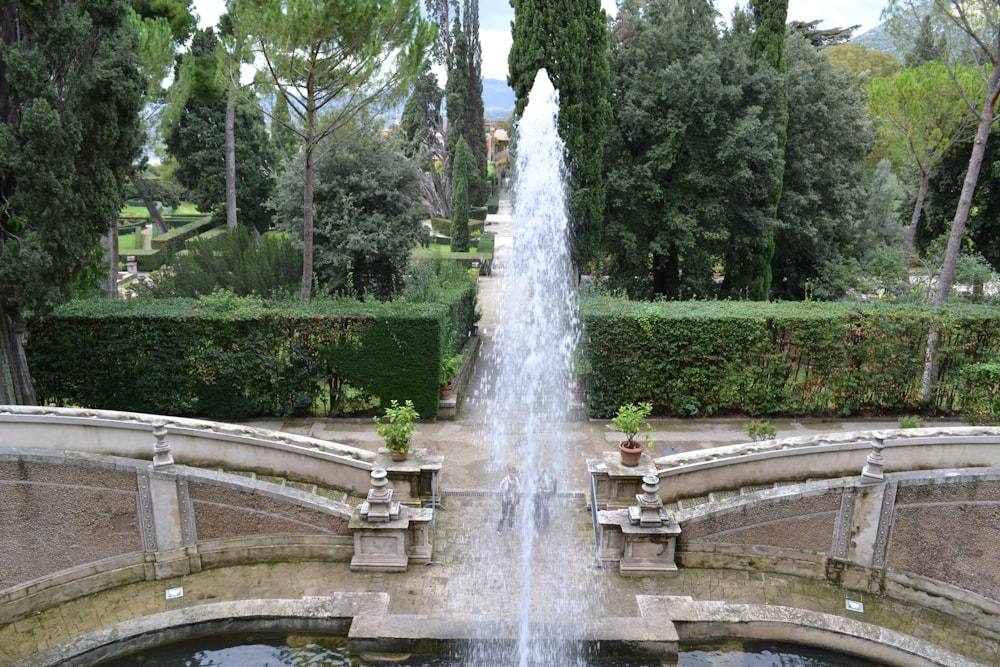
[(818, 359), (231, 358), (173, 240)]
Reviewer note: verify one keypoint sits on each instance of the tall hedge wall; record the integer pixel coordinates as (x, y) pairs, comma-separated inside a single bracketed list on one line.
[(227, 357), (705, 358)]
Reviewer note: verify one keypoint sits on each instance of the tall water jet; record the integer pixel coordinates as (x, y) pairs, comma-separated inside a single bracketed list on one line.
[(536, 334)]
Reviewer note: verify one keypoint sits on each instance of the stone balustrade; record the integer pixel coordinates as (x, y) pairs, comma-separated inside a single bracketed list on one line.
[(193, 442)]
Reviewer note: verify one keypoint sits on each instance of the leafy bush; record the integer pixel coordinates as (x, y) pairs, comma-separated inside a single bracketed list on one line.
[(234, 261), (760, 429)]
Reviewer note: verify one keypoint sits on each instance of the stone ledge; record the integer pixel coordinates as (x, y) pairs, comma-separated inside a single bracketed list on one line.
[(709, 620)]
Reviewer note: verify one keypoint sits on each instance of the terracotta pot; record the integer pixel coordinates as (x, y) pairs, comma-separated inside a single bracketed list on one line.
[(630, 454), (398, 456), (447, 390)]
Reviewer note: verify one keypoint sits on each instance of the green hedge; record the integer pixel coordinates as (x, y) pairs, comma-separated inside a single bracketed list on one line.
[(493, 204), (174, 240), (147, 260), (705, 358), (232, 358)]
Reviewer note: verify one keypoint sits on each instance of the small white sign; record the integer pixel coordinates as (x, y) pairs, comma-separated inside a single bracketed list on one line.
[(856, 605), (174, 593)]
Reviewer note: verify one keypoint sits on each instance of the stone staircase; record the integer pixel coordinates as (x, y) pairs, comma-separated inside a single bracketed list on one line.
[(719, 496), (330, 493)]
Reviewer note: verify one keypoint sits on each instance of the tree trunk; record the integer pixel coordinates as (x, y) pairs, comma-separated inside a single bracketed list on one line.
[(154, 213), (110, 242), (947, 276), (667, 273), (15, 380), (307, 227), (911, 229), (231, 221)]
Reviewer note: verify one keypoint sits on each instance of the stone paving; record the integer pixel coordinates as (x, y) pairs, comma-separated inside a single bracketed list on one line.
[(475, 573)]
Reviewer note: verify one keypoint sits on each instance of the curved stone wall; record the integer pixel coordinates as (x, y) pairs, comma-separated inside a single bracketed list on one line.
[(192, 442), (937, 531), (827, 456), (76, 523)]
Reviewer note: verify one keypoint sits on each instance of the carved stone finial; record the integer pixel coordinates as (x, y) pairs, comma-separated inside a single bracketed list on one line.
[(379, 507), (874, 470), (649, 512), (161, 449)]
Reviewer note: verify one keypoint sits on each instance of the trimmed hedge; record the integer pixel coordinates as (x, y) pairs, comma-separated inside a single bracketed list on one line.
[(147, 260), (231, 358), (818, 359), (174, 240)]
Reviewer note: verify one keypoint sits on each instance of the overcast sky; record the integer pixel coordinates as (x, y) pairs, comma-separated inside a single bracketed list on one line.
[(495, 17)]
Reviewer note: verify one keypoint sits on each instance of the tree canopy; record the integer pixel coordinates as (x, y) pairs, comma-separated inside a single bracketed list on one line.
[(567, 38), (70, 92), (366, 220), (331, 63)]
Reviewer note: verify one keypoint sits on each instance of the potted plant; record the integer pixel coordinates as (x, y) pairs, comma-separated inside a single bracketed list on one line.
[(396, 428), (631, 420), (449, 371)]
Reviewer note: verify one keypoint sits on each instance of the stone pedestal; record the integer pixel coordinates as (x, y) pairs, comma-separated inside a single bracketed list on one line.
[(642, 538), (418, 535), (618, 485), (388, 536), (379, 547)]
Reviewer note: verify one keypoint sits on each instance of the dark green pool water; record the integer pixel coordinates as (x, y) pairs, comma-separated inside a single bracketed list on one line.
[(290, 652)]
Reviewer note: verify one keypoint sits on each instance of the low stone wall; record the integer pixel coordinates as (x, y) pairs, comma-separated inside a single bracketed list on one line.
[(192, 442), (696, 474), (931, 526), (77, 523)]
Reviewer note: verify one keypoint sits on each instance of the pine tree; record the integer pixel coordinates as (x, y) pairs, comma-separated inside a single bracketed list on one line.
[(567, 38)]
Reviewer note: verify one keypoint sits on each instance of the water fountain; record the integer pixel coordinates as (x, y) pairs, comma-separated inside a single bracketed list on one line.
[(532, 354)]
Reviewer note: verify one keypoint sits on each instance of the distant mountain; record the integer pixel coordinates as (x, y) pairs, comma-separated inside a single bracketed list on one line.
[(879, 39), (498, 99)]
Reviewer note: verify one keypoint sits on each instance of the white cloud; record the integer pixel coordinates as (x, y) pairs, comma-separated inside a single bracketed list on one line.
[(496, 48)]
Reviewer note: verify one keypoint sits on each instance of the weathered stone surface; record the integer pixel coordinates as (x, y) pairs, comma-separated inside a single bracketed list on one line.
[(222, 512)]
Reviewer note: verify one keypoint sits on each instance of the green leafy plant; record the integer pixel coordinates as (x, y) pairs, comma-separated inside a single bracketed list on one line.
[(911, 421), (396, 426), (760, 429), (449, 368), (631, 420)]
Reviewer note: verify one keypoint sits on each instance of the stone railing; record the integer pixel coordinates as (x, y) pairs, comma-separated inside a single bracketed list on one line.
[(831, 455), (191, 442), (827, 456)]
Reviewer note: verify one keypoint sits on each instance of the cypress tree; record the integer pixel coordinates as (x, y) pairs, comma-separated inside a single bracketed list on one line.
[(460, 197), (456, 91), (568, 38), (751, 276), (473, 127)]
